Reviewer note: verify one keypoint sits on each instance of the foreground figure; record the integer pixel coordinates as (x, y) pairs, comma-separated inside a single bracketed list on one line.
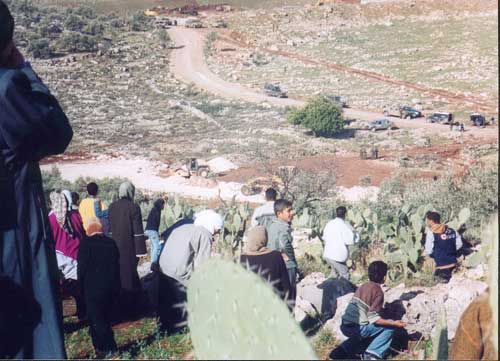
[(362, 322), (152, 228), (99, 275), (186, 248), (32, 126)]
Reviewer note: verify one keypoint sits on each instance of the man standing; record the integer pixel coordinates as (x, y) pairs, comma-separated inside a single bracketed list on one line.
[(262, 214), (125, 222), (86, 207), (338, 234), (441, 244), (280, 237), (152, 228), (32, 126)]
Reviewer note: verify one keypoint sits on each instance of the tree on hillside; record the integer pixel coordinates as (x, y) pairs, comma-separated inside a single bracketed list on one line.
[(321, 116)]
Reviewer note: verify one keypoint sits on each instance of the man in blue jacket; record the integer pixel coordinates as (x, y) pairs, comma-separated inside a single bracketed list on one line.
[(32, 126)]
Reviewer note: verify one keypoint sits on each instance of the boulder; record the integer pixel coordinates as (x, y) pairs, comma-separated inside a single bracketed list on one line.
[(419, 306)]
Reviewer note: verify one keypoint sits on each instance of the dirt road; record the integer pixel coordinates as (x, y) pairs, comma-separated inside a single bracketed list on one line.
[(188, 64)]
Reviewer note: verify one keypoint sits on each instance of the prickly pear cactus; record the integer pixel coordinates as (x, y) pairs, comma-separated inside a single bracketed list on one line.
[(234, 314), (440, 341)]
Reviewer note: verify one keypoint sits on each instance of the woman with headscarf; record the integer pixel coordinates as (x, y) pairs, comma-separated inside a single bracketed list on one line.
[(125, 221), (67, 230), (264, 261), (186, 248)]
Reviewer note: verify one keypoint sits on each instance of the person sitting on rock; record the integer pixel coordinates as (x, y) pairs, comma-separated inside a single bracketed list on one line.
[(267, 263), (362, 321), (338, 234), (442, 244)]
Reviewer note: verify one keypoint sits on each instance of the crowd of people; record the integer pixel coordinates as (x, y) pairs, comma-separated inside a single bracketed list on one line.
[(91, 251)]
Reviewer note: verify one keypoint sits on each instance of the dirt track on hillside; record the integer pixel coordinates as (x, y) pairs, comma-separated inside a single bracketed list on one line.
[(188, 64)]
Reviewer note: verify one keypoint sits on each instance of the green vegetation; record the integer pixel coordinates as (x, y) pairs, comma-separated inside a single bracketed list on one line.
[(234, 314), (321, 116)]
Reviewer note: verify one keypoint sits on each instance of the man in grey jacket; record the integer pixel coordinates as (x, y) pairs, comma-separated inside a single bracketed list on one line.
[(279, 233), (186, 248)]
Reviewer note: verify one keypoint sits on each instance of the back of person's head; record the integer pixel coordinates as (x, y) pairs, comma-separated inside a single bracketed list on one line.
[(75, 197), (377, 271), (271, 194), (434, 217), (6, 26), (281, 204), (210, 220), (159, 203), (92, 189), (341, 212)]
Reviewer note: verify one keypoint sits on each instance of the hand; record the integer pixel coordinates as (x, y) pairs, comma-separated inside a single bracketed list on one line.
[(400, 323), (285, 257)]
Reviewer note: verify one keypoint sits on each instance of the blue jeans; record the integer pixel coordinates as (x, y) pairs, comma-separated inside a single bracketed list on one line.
[(379, 338), (154, 238)]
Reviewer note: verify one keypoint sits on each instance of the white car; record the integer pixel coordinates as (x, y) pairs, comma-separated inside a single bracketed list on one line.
[(380, 124)]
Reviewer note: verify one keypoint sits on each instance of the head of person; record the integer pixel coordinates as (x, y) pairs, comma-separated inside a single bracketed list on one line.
[(284, 210), (432, 218), (210, 220), (126, 190), (92, 189), (256, 241), (94, 227), (75, 198), (59, 206), (377, 271), (69, 199), (159, 203), (6, 33), (271, 194), (341, 212)]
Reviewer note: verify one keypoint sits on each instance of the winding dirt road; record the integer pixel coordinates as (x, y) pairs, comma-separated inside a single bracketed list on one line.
[(188, 65)]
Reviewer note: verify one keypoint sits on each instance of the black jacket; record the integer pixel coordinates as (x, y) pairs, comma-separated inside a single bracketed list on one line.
[(153, 223)]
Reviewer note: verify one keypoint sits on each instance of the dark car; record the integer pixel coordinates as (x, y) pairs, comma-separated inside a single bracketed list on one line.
[(409, 112), (478, 119), (274, 90), (337, 100), (443, 118)]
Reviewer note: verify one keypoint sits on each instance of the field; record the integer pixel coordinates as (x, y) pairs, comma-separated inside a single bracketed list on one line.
[(142, 99)]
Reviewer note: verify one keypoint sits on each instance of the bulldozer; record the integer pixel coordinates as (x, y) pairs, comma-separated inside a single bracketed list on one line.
[(192, 167)]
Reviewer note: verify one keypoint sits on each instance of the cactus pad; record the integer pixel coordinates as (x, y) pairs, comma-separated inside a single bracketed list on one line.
[(234, 314)]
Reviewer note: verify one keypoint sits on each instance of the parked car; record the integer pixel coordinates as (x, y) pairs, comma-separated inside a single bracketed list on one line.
[(440, 117), (219, 24), (404, 112), (163, 22), (274, 90), (338, 100), (478, 119), (380, 124)]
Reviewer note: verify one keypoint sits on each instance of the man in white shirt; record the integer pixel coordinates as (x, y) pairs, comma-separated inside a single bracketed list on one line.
[(338, 234), (262, 213)]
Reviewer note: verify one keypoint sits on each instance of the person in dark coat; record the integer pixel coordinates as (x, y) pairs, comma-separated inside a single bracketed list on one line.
[(125, 222), (32, 126), (152, 228), (267, 263), (99, 276)]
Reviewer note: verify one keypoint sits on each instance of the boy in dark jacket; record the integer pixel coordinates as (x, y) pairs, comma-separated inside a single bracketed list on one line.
[(99, 276), (152, 227), (362, 321), (442, 244)]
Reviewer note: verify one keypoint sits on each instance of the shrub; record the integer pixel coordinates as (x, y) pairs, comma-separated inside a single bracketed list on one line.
[(76, 42), (140, 22), (95, 28), (40, 48), (74, 23), (321, 116)]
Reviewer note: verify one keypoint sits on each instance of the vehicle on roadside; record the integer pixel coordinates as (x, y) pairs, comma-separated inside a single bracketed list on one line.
[(336, 99), (193, 24), (380, 124), (273, 90), (404, 112), (192, 167), (164, 22), (440, 117), (221, 24), (478, 119)]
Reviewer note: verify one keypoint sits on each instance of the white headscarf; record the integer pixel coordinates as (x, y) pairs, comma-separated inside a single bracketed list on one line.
[(69, 199), (210, 220)]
